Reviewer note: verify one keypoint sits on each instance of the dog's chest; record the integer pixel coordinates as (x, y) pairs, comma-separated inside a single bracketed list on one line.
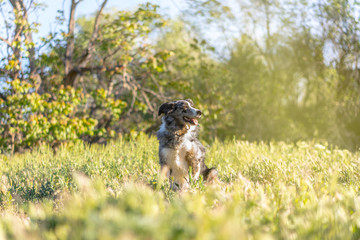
[(180, 159), (176, 158)]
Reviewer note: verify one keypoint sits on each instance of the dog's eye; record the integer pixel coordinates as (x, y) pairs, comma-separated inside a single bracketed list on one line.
[(184, 111)]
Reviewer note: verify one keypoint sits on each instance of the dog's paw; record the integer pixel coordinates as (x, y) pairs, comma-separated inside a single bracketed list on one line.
[(211, 175)]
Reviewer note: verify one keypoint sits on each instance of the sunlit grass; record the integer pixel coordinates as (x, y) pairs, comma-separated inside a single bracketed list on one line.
[(275, 190)]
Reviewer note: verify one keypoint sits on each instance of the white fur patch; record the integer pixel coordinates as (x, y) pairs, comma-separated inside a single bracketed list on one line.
[(197, 174), (163, 126), (176, 161)]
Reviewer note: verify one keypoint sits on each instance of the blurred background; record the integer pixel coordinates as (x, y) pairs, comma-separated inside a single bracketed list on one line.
[(261, 70)]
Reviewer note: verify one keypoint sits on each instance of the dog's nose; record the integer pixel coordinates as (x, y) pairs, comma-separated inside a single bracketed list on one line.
[(198, 112)]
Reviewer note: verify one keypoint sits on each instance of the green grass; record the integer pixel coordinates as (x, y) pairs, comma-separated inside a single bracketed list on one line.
[(266, 191)]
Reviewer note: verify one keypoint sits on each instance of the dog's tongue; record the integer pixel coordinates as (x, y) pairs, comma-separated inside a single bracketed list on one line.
[(195, 121)]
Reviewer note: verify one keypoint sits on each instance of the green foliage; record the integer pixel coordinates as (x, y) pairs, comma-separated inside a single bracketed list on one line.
[(120, 57), (288, 92), (124, 63), (276, 190), (192, 73), (29, 119), (269, 76)]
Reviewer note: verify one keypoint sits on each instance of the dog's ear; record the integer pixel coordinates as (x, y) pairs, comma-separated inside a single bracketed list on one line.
[(190, 101), (166, 108)]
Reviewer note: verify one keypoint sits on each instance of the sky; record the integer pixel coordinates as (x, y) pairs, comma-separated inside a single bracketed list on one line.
[(47, 16), (48, 23), (87, 7), (219, 38)]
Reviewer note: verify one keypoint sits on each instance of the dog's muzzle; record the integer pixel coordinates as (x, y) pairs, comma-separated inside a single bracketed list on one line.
[(194, 120)]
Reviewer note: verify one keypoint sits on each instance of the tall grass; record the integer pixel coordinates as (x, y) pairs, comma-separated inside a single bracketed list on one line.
[(265, 191)]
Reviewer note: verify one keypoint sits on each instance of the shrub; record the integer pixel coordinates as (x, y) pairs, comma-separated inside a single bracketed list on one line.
[(29, 119)]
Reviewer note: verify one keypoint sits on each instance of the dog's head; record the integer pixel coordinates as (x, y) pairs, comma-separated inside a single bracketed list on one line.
[(182, 111)]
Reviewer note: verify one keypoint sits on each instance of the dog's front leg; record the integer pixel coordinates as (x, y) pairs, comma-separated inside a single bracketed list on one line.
[(194, 164), (164, 171)]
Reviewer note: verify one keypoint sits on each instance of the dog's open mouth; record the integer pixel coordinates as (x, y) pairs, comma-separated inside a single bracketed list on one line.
[(191, 120)]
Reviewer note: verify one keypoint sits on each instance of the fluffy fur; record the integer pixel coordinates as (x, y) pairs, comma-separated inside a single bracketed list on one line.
[(179, 146)]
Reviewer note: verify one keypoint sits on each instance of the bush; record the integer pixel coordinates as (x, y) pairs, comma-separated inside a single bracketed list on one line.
[(29, 119)]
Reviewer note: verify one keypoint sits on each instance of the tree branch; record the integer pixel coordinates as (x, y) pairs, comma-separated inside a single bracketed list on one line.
[(3, 97), (71, 72), (90, 48), (70, 41), (6, 41), (19, 29)]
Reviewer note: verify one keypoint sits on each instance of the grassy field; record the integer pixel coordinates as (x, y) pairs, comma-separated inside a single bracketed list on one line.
[(266, 191)]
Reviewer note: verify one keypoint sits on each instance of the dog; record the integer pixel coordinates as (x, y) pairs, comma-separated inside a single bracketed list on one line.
[(179, 146)]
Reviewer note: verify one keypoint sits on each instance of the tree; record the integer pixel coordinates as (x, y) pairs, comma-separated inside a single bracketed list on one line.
[(112, 54), (19, 43)]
